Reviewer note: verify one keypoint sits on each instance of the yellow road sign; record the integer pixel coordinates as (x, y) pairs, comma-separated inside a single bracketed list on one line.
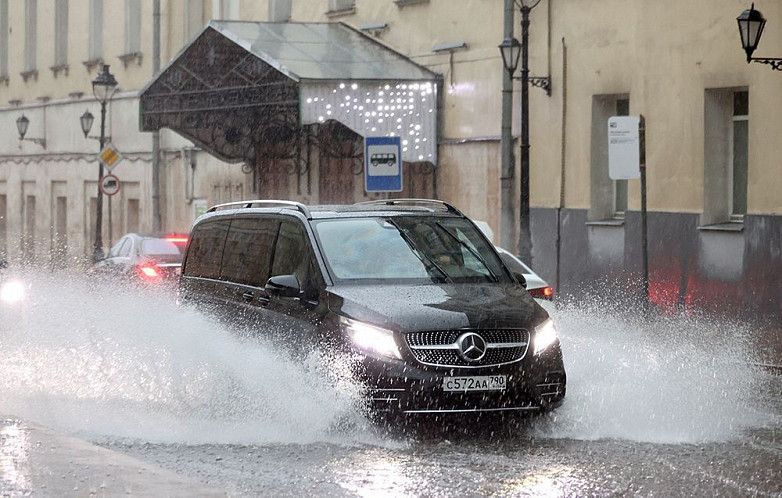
[(109, 156)]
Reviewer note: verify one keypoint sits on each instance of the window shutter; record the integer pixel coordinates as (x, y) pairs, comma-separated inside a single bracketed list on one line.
[(96, 29), (61, 33), (132, 26), (30, 34), (4, 38)]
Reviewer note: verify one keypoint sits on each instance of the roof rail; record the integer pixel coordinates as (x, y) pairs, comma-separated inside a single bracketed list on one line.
[(412, 202), (263, 203)]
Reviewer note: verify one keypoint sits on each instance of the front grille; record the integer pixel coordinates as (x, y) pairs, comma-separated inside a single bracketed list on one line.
[(440, 347)]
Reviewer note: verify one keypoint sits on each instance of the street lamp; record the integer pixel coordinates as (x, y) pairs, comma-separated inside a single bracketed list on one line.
[(511, 50), (22, 123), (103, 87), (86, 120), (751, 24)]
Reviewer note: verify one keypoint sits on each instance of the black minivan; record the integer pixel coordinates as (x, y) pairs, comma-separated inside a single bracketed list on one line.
[(410, 290)]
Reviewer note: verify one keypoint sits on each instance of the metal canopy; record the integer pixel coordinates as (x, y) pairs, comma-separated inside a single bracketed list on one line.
[(321, 51), (242, 88)]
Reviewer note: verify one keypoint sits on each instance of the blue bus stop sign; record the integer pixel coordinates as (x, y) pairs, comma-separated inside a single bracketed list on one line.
[(383, 164)]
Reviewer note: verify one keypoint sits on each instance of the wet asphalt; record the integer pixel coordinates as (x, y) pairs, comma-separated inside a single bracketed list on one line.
[(468, 465)]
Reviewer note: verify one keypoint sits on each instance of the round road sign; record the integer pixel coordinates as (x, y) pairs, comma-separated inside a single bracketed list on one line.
[(109, 184)]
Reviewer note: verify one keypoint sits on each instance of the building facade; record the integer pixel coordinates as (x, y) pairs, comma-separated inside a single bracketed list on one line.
[(714, 182)]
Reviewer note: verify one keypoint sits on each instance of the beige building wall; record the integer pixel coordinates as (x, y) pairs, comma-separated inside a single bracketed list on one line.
[(665, 55)]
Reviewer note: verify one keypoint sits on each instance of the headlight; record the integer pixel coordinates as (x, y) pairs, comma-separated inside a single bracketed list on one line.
[(545, 336), (12, 292), (371, 339)]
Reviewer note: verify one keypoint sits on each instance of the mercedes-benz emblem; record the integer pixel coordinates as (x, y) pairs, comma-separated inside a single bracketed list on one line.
[(472, 347)]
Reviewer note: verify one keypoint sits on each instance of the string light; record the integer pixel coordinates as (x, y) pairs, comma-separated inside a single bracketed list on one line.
[(380, 109)]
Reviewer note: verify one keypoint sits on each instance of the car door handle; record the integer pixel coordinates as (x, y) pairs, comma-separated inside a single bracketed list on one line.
[(264, 300), (248, 296)]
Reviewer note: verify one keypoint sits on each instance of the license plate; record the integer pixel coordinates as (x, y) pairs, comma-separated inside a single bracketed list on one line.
[(475, 383)]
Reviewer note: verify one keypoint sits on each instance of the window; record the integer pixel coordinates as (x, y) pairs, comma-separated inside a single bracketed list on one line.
[(28, 235), (726, 155), (412, 249), (96, 30), (132, 221), (225, 9), (608, 198), (292, 254), (3, 39), (341, 5), (248, 251), (30, 34), (206, 249), (279, 10), (61, 33), (132, 26), (116, 248), (739, 154), (193, 19), (60, 232), (124, 251)]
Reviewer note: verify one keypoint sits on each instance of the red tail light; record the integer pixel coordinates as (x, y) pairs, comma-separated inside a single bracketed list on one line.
[(180, 240), (149, 272), (542, 293)]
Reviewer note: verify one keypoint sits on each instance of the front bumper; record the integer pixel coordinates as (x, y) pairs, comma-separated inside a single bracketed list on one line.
[(407, 387)]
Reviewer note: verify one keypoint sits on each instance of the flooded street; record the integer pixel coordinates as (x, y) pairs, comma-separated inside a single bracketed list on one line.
[(518, 465), (665, 406)]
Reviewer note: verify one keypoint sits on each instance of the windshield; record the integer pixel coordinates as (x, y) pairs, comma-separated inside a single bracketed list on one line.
[(408, 249), (161, 249)]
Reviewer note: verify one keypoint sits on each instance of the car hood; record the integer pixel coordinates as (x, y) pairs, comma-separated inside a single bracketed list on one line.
[(437, 306)]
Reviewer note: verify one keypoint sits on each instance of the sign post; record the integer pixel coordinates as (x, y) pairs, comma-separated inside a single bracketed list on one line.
[(109, 156), (383, 164), (109, 185), (627, 160)]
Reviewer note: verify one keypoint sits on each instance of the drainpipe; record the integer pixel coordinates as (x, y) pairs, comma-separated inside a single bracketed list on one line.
[(157, 219), (562, 177), (507, 218)]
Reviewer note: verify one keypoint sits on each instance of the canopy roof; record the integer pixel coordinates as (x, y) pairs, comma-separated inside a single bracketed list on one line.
[(321, 51), (240, 88)]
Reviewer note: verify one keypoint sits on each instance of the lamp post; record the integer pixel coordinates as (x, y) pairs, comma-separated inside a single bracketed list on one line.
[(751, 24), (103, 87), (511, 50)]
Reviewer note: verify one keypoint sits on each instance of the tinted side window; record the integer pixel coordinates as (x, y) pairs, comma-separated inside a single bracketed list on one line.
[(292, 254), (206, 249), (248, 251)]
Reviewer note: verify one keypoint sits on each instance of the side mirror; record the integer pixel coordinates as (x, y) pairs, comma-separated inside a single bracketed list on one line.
[(520, 279), (283, 286)]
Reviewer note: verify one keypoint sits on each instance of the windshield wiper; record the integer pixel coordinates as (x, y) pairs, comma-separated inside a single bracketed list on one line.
[(428, 262), (469, 248)]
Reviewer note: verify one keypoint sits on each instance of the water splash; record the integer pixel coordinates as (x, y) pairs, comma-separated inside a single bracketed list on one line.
[(99, 360), (108, 362), (661, 379)]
